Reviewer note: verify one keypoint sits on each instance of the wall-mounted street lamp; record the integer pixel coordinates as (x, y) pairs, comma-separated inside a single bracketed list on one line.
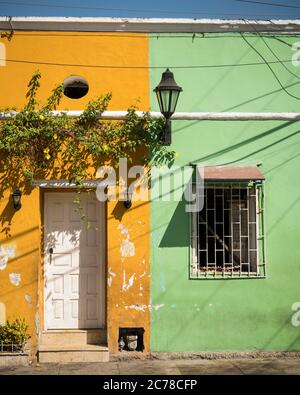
[(128, 199), (16, 195), (167, 92)]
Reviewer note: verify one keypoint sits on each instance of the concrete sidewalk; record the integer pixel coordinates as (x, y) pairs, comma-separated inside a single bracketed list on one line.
[(286, 366)]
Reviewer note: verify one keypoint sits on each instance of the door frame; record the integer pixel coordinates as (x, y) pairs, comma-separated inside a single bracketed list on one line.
[(48, 188)]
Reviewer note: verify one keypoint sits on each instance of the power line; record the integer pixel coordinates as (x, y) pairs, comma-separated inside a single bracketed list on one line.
[(270, 4), (272, 52), (104, 8), (194, 12), (145, 67), (270, 68)]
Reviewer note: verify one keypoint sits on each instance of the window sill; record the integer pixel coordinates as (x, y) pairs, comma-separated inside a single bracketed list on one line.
[(223, 276)]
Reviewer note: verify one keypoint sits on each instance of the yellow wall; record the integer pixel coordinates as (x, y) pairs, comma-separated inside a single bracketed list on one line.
[(128, 276), (65, 51), (20, 256)]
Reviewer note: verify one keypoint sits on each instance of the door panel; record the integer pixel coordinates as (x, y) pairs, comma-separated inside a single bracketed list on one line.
[(74, 262)]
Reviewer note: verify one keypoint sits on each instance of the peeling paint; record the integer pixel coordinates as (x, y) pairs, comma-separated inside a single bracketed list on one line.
[(127, 248), (138, 307), (123, 229), (130, 282), (3, 262), (143, 274), (125, 286), (28, 299), (5, 254), (143, 307), (111, 273), (157, 306), (15, 278), (110, 278), (9, 251), (124, 281)]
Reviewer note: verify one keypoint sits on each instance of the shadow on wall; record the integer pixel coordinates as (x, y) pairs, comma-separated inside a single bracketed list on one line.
[(232, 148), (177, 232), (174, 235), (9, 180)]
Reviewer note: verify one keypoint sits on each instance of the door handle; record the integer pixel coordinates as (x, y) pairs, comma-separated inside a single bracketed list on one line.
[(50, 252)]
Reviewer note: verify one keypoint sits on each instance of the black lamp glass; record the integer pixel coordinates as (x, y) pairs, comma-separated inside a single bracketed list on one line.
[(17, 198), (167, 93), (128, 199)]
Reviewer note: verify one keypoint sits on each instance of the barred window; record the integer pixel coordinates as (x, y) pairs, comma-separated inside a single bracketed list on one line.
[(227, 234)]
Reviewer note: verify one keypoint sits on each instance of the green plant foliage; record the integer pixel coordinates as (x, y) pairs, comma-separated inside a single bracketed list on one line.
[(35, 143), (14, 332)]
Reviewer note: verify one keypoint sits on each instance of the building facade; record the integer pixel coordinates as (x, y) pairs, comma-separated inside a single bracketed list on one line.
[(222, 279)]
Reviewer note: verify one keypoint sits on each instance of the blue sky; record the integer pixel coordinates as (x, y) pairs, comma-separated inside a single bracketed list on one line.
[(286, 9)]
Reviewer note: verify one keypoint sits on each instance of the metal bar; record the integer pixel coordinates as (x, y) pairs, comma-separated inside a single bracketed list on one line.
[(215, 238), (243, 253), (231, 229), (223, 228), (248, 220), (240, 229), (206, 234), (194, 243)]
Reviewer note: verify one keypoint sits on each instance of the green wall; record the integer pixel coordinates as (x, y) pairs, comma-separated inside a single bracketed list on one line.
[(230, 314)]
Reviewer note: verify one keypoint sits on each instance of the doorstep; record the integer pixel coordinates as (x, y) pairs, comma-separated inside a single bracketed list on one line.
[(68, 346)]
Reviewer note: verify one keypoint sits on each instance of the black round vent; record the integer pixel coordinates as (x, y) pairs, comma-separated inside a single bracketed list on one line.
[(75, 87)]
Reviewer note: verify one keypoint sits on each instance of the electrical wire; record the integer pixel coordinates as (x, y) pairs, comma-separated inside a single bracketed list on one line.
[(270, 68), (267, 3), (192, 12), (151, 35), (272, 52), (144, 67)]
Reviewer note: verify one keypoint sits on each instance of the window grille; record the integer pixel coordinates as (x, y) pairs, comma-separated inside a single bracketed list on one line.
[(11, 348), (227, 234)]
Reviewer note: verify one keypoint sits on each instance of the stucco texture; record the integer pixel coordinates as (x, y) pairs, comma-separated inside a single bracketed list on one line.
[(239, 314), (96, 57)]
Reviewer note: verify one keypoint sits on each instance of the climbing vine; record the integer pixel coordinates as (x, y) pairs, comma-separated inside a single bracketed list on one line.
[(37, 144)]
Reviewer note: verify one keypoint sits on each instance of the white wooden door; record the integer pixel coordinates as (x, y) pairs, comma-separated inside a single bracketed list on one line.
[(74, 261)]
